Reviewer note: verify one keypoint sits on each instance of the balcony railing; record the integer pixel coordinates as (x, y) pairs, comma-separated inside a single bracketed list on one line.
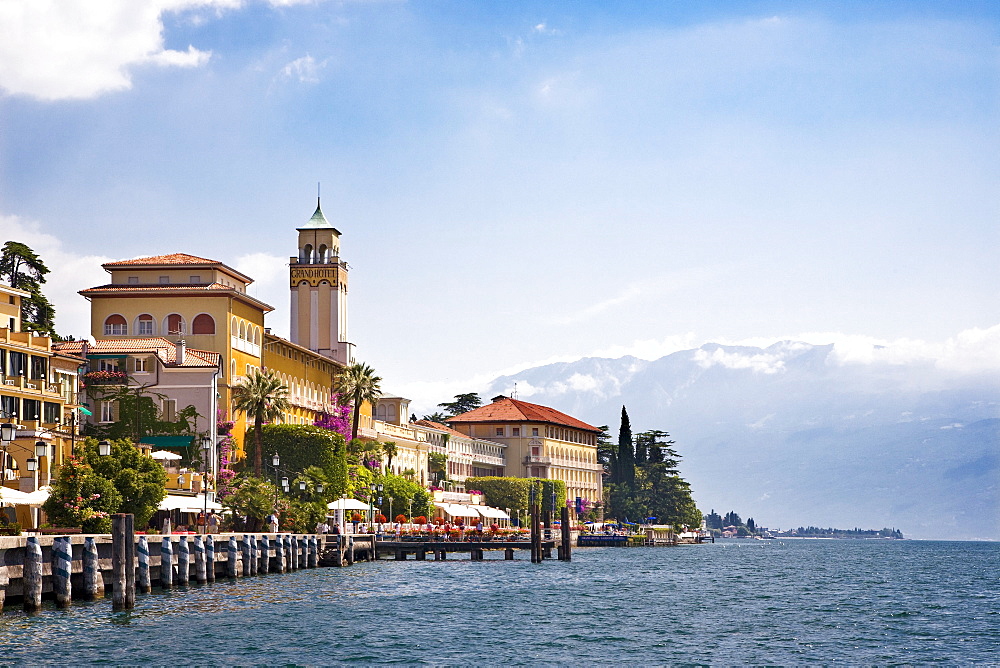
[(537, 459)]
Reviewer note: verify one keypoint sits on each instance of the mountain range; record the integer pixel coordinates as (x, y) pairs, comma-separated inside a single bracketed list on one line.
[(797, 434)]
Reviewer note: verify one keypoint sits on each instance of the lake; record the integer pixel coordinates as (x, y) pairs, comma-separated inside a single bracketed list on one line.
[(776, 601)]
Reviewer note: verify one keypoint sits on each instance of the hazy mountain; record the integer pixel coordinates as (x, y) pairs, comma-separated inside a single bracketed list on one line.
[(794, 434)]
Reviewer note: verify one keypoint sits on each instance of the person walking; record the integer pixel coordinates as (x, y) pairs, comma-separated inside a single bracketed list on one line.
[(272, 521), (213, 522)]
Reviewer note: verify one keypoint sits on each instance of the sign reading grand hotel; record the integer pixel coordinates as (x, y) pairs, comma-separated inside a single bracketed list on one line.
[(314, 275)]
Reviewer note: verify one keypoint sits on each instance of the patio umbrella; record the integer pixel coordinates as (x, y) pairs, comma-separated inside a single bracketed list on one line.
[(165, 454)]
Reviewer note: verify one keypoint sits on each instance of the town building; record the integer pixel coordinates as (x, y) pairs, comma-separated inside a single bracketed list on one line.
[(38, 395), (541, 442)]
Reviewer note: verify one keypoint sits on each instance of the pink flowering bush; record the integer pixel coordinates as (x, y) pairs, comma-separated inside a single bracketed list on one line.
[(339, 420), (81, 498)]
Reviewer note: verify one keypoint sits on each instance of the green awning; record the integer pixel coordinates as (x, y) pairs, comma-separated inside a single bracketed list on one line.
[(165, 442)]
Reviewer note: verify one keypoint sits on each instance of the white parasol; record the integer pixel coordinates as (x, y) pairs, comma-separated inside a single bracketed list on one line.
[(165, 454)]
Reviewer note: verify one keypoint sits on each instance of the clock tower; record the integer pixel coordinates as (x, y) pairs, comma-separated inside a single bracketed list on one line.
[(318, 284)]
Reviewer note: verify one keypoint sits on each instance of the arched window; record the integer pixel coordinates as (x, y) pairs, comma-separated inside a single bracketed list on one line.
[(203, 323), (256, 335), (174, 324), (307, 253), (233, 370), (322, 254), (243, 330), (145, 325), (234, 328), (115, 325)]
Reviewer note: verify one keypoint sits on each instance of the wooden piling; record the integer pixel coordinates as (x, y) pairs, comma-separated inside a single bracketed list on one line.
[(143, 581), (350, 550), (293, 552), (263, 556), (210, 558), (248, 557), (567, 543), (313, 551), (166, 564), (118, 561), (183, 562), (508, 554), (232, 563), (129, 561), (4, 583), (62, 560), (31, 579), (199, 561), (304, 552)]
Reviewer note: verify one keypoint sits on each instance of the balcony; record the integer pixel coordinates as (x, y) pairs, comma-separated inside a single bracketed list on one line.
[(538, 459), (105, 378)]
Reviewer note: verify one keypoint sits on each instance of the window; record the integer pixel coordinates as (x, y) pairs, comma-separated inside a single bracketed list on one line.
[(140, 365), (115, 325), (164, 279), (144, 325), (133, 280), (195, 279), (18, 363), (516, 431), (32, 409), (534, 431), (9, 406), (175, 324), (51, 412), (203, 324), (107, 365), (39, 367), (499, 431)]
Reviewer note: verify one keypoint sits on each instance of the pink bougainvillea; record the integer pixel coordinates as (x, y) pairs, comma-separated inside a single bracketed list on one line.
[(339, 420)]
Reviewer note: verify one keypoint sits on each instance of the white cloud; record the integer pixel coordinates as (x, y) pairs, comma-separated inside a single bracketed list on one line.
[(78, 49), (758, 363), (304, 69), (70, 272)]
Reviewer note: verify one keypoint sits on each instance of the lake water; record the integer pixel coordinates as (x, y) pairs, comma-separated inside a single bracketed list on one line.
[(777, 602)]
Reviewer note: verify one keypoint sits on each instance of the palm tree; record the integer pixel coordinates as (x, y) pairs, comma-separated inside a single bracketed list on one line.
[(263, 396), (358, 384), (391, 450)]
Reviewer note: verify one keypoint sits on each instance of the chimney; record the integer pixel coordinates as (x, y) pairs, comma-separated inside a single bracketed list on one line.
[(498, 398), (181, 351)]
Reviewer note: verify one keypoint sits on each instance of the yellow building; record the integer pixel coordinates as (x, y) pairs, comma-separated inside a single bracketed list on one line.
[(38, 394), (541, 443)]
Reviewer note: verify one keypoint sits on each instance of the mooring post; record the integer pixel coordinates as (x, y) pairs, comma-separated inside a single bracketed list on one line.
[(118, 561), (263, 556), (62, 565), (567, 543), (313, 551), (129, 561), (304, 552), (93, 582), (199, 561), (247, 554), (183, 562), (350, 550), (210, 558), (143, 581), (508, 554), (254, 556), (32, 575), (536, 551), (4, 583), (232, 565), (286, 553), (166, 564)]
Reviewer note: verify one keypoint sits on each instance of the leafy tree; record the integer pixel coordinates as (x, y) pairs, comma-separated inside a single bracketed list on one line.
[(657, 447), (463, 404), (263, 397), (732, 519), (713, 520), (437, 463), (300, 447), (606, 453), (642, 443), (81, 498), (358, 384), (251, 498), (626, 452), (438, 417), (403, 491), (751, 525), (24, 270), (391, 450), (138, 414), (667, 497), (514, 493)]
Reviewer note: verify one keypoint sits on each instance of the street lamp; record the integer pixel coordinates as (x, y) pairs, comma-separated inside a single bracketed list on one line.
[(206, 451), (104, 448), (302, 485)]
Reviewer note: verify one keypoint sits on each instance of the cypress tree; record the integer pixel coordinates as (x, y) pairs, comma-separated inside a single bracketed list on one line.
[(626, 452)]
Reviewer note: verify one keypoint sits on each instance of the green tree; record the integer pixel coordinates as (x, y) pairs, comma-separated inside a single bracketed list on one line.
[(263, 397), (402, 492), (301, 446), (358, 384), (24, 270), (626, 452), (138, 414), (463, 404), (81, 498), (391, 450), (514, 493), (606, 453), (437, 463), (252, 498), (438, 417)]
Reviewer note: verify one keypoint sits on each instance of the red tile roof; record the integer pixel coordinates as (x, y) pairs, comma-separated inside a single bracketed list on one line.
[(164, 349), (131, 287), (513, 410), (442, 427), (171, 258)]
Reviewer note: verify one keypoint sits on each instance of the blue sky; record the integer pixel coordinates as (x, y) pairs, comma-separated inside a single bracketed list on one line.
[(522, 182)]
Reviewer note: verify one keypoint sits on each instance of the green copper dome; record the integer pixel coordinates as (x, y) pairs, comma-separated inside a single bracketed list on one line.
[(318, 220)]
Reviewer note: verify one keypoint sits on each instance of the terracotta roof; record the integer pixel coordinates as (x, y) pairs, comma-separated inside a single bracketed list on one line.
[(164, 349), (171, 258), (131, 287), (442, 427), (513, 410)]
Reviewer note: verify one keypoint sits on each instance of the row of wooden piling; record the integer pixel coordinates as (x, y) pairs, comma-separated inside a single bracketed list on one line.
[(131, 563), (540, 519)]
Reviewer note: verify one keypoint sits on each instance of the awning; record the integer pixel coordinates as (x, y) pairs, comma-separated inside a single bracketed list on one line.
[(348, 504), (161, 442), (13, 497), (492, 513), (188, 504), (457, 509)]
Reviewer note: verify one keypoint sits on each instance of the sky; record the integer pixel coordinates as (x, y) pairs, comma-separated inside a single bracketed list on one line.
[(525, 182)]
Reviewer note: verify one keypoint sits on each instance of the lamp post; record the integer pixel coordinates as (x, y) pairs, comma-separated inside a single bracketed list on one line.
[(8, 431), (206, 451), (104, 448), (390, 510)]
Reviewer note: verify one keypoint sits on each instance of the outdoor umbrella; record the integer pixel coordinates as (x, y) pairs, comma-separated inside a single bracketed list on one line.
[(165, 454), (348, 504)]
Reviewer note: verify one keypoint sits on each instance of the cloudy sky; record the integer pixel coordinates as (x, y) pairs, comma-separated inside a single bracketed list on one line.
[(530, 181)]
